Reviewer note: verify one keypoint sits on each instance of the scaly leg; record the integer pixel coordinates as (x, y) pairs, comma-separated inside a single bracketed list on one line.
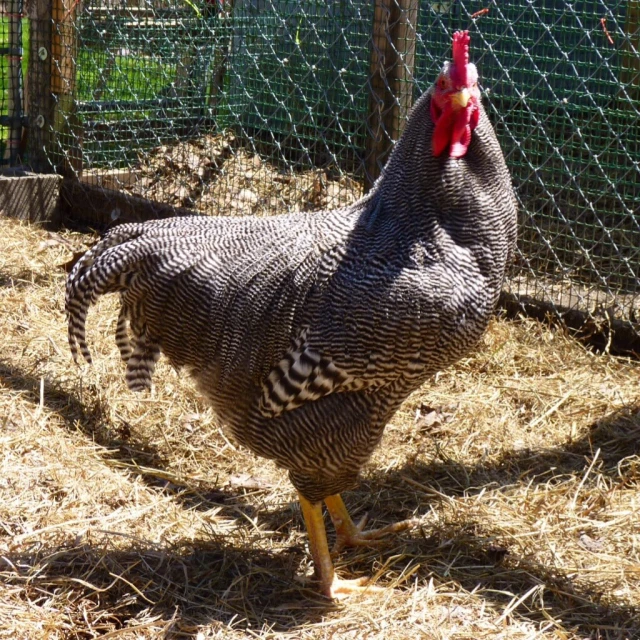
[(330, 584), (350, 534)]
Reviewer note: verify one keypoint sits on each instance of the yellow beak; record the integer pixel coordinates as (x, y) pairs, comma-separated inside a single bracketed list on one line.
[(461, 98)]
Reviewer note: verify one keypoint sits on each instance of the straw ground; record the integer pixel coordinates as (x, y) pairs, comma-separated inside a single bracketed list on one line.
[(133, 516)]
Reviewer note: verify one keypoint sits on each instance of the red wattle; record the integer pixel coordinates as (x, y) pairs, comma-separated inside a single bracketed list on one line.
[(461, 134), (453, 129), (442, 131)]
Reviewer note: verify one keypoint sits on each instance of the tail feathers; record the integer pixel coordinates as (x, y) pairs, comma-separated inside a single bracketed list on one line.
[(141, 358), (131, 259), (141, 261), (122, 334), (141, 365), (87, 280), (76, 335), (114, 264)]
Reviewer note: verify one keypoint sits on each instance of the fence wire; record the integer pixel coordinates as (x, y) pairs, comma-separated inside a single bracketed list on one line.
[(12, 64), (272, 106)]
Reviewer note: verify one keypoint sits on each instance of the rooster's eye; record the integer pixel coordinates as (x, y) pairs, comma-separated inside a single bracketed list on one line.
[(442, 83)]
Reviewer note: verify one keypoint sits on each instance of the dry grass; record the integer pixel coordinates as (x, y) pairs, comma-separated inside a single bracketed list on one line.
[(133, 517)]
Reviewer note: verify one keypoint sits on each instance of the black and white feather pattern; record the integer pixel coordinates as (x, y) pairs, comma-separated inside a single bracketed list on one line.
[(307, 331)]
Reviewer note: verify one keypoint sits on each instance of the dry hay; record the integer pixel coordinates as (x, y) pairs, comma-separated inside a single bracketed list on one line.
[(214, 174), (134, 517)]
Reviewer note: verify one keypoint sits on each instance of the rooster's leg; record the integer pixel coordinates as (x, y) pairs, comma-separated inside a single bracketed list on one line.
[(330, 584), (350, 534)]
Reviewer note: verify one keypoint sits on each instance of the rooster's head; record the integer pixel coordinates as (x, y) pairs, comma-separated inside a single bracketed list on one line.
[(455, 101)]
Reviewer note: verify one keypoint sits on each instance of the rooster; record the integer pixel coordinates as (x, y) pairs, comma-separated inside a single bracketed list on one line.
[(307, 331)]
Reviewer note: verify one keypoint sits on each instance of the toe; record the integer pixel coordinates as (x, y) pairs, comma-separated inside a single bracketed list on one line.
[(340, 589), (396, 527), (358, 538)]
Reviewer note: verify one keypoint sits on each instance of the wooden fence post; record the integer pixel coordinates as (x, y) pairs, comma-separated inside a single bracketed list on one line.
[(631, 65), (38, 99), (392, 63), (64, 52), (15, 86)]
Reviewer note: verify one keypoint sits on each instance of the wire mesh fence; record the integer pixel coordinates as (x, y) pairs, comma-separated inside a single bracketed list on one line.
[(13, 28), (270, 106)]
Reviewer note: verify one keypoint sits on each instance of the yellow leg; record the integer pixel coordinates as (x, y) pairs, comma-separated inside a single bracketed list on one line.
[(350, 534), (330, 584)]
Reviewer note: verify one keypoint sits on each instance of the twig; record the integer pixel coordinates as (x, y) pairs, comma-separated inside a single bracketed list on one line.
[(425, 489), (603, 22), (584, 479), (478, 14), (551, 410), (55, 347), (127, 582), (138, 627), (516, 603), (116, 516), (230, 444), (607, 348), (544, 629)]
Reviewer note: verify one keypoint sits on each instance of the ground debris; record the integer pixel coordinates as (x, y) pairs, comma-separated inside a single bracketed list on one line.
[(133, 516), (214, 174)]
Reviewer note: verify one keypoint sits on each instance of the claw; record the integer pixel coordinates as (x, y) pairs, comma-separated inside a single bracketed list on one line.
[(371, 538), (330, 585), (354, 535), (339, 588), (348, 534)]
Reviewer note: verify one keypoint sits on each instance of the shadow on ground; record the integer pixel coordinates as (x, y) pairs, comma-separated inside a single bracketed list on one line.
[(24, 279), (200, 581)]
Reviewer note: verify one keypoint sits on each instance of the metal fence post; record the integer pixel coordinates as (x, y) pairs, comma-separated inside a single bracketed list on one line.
[(392, 62)]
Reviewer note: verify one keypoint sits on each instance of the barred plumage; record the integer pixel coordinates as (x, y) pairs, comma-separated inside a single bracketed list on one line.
[(306, 332)]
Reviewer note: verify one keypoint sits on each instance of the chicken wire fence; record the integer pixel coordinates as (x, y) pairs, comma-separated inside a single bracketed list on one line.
[(267, 106)]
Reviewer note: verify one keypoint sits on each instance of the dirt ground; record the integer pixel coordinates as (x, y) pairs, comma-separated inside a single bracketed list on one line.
[(133, 516)]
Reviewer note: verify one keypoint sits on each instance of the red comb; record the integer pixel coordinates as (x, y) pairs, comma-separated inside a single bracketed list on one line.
[(461, 41)]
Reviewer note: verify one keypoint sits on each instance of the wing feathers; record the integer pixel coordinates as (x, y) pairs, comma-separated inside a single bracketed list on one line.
[(301, 376)]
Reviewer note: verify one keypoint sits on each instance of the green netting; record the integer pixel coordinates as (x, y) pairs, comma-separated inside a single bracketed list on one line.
[(290, 82), (569, 124), (14, 31), (297, 77), (142, 78)]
